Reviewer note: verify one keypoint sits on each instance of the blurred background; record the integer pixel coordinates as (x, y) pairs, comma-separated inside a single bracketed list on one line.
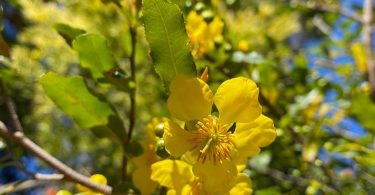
[(310, 59)]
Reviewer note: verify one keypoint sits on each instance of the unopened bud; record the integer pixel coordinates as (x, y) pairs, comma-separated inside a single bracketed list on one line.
[(208, 15), (199, 7), (159, 130), (160, 149)]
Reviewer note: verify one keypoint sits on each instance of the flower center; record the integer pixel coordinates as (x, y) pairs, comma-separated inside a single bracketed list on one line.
[(212, 139)]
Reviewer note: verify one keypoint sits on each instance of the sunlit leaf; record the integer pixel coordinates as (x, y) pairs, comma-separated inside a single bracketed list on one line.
[(363, 108), (277, 28), (180, 3), (71, 95), (359, 54), (266, 191), (166, 35), (94, 54), (67, 32)]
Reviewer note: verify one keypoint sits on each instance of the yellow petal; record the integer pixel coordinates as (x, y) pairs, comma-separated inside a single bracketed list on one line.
[(190, 98), (142, 174), (96, 178), (244, 151), (261, 132), (249, 137), (176, 139), (174, 174), (216, 27), (216, 178), (99, 178), (237, 101), (81, 188), (359, 54), (186, 190), (241, 167), (63, 192), (194, 21), (242, 186)]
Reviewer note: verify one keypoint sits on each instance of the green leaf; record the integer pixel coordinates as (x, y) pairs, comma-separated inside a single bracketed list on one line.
[(121, 188), (94, 54), (116, 2), (118, 79), (134, 149), (180, 3), (363, 108), (166, 35), (266, 191), (71, 95), (67, 32)]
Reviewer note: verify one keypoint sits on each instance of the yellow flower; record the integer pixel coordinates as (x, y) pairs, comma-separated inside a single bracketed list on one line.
[(217, 149), (243, 45), (359, 55), (179, 178), (142, 173), (203, 34), (96, 178), (366, 88), (63, 192)]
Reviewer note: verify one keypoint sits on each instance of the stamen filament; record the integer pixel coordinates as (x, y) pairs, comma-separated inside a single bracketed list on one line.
[(212, 140)]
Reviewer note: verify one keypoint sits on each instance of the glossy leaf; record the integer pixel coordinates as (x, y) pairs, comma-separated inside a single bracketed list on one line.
[(180, 3), (67, 32), (94, 54), (71, 95), (166, 35), (363, 108)]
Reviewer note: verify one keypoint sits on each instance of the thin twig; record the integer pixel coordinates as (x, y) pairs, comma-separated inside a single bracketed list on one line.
[(322, 26), (367, 38), (369, 178), (279, 175), (22, 185), (37, 176), (13, 114), (133, 34), (331, 9), (339, 10), (69, 173), (331, 178), (279, 114)]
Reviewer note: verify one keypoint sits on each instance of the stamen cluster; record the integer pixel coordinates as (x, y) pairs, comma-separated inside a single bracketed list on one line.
[(212, 139)]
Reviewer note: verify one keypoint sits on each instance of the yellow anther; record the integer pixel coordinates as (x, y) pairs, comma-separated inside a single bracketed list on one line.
[(212, 140)]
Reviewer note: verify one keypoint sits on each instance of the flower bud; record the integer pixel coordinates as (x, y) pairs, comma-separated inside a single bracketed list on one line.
[(208, 15), (160, 149), (199, 7), (159, 130)]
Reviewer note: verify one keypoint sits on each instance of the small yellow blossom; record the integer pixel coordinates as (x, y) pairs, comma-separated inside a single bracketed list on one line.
[(177, 175), (359, 55), (142, 173), (216, 148), (312, 108), (203, 34), (96, 178), (271, 94), (63, 192), (243, 45), (266, 9), (365, 88)]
